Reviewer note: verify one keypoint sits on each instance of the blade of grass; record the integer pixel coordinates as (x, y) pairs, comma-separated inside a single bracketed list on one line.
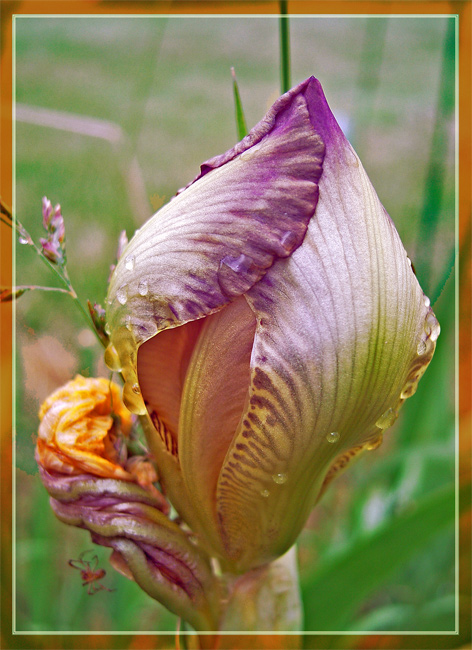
[(333, 593), (284, 48), (241, 127)]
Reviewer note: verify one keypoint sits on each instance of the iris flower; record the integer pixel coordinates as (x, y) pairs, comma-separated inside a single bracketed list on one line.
[(269, 326)]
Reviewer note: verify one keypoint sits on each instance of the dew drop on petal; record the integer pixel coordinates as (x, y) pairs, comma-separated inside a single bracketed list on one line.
[(143, 288), (280, 479), (265, 493), (409, 389), (288, 240), (22, 240), (121, 295), (333, 436), (431, 326), (237, 264), (421, 347), (427, 301), (386, 419), (129, 262), (135, 389)]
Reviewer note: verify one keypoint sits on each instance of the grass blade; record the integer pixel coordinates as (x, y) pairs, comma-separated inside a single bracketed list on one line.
[(240, 119)]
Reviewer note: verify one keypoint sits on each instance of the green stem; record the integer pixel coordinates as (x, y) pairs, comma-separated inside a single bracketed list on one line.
[(266, 598), (59, 271), (284, 48), (34, 287)]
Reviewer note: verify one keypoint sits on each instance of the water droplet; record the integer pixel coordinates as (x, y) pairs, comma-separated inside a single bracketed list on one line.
[(409, 389), (121, 295), (431, 326), (143, 288), (409, 261), (265, 493), (132, 400), (421, 348), (237, 264), (289, 239), (22, 240), (280, 479), (129, 262), (375, 443), (107, 329), (427, 301), (135, 389), (112, 359), (333, 436), (386, 419)]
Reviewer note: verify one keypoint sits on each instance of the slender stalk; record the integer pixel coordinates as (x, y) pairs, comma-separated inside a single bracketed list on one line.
[(61, 273), (59, 270), (284, 48), (34, 287)]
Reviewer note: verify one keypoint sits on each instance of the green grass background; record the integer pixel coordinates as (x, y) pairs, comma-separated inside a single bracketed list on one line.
[(378, 552)]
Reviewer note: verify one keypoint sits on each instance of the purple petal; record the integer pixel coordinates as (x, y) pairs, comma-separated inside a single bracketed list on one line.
[(219, 236)]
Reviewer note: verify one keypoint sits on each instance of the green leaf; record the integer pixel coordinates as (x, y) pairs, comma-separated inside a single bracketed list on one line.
[(240, 119), (333, 593)]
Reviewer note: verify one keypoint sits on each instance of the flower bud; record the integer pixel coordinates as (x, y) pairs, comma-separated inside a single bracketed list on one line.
[(268, 329)]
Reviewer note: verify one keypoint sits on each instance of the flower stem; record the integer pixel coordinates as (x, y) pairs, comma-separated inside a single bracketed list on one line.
[(266, 598), (284, 48)]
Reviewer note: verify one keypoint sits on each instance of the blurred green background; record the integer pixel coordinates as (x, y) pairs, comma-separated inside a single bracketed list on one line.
[(378, 552)]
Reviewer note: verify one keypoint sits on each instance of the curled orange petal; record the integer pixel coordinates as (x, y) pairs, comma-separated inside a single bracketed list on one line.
[(80, 423)]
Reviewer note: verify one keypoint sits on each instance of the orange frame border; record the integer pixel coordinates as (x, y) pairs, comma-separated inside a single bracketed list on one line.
[(462, 8)]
